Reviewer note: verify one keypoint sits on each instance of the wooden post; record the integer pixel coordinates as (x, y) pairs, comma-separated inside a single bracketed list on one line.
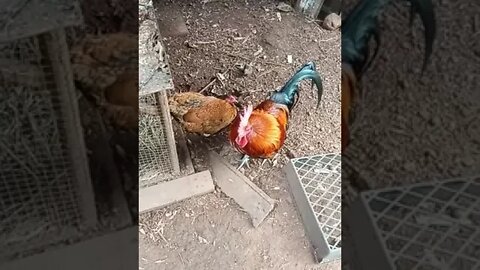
[(163, 100), (56, 44), (310, 8)]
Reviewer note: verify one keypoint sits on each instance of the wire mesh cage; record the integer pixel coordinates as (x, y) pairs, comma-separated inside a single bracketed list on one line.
[(157, 145), (315, 183), (158, 160), (424, 226), (45, 190)]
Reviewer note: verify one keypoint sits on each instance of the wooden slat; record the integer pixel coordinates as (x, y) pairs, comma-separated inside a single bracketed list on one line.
[(163, 100), (28, 18), (238, 187), (117, 250), (58, 53), (173, 191)]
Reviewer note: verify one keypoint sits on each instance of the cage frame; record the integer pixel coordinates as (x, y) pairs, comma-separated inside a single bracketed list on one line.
[(56, 50), (164, 112), (156, 81), (55, 17), (360, 214), (59, 55), (323, 252)]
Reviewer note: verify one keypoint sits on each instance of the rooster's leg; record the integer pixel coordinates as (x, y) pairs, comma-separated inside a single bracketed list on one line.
[(244, 161), (263, 162)]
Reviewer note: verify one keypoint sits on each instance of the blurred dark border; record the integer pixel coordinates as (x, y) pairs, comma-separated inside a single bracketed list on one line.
[(69, 176), (411, 164)]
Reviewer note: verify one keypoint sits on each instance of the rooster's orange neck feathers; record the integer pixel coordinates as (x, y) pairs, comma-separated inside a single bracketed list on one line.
[(244, 129)]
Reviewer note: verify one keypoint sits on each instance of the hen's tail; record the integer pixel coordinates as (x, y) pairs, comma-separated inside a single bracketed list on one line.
[(288, 94), (361, 25)]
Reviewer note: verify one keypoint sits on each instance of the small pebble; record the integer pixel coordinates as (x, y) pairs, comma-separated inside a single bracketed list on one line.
[(289, 59), (332, 22)]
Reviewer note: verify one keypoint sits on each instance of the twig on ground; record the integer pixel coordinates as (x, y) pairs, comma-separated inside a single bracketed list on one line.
[(239, 56), (217, 78), (247, 38), (207, 42), (325, 40), (208, 85), (265, 73)]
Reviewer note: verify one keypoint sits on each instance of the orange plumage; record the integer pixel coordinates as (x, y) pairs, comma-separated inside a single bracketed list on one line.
[(261, 132), (201, 114), (269, 125), (347, 92)]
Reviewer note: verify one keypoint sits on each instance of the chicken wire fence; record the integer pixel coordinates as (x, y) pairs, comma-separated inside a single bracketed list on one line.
[(315, 184), (424, 226), (158, 160), (157, 153), (45, 193)]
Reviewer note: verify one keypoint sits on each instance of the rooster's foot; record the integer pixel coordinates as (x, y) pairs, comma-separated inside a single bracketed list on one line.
[(244, 161)]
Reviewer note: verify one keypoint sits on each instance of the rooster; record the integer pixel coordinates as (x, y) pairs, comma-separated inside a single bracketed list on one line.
[(205, 115), (357, 30), (260, 132)]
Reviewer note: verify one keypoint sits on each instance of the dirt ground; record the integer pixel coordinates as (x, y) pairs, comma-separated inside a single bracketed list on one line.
[(211, 231)]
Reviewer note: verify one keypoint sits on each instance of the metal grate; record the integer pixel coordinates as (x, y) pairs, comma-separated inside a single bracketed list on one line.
[(425, 226), (156, 163), (315, 182), (43, 189)]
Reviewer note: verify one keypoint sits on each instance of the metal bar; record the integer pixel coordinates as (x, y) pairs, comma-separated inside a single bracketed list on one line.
[(438, 198), (311, 223)]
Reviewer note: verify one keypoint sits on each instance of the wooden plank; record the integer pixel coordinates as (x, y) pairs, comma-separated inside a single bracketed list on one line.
[(117, 250), (22, 19), (235, 185), (310, 8), (56, 44), (173, 191), (184, 157), (104, 162), (163, 101), (154, 71)]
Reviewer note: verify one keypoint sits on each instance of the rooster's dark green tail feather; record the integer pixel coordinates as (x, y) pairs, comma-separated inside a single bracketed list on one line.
[(288, 94), (361, 25), (424, 8)]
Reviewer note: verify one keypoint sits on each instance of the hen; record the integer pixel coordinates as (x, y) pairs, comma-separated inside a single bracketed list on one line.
[(122, 97), (201, 114), (260, 132), (105, 69), (357, 30)]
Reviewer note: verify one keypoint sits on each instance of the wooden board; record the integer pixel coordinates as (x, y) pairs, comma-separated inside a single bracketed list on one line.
[(57, 49), (167, 120), (235, 185), (28, 18), (184, 158), (169, 192), (117, 250), (154, 71)]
